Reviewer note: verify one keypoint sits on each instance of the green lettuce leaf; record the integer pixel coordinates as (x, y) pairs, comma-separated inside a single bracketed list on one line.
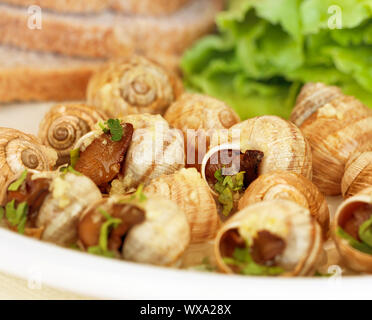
[(266, 49)]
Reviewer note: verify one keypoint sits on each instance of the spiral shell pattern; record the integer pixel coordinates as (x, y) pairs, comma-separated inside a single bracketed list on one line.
[(133, 86), (64, 125), (20, 151)]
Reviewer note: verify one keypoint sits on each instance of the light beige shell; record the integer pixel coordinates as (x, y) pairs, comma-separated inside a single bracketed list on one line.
[(198, 116), (354, 259), (191, 193), (20, 151), (336, 127), (155, 150), (288, 186), (358, 174), (135, 85), (59, 215), (301, 232), (63, 125), (162, 238)]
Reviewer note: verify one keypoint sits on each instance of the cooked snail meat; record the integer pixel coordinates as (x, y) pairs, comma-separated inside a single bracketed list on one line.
[(102, 159), (271, 238)]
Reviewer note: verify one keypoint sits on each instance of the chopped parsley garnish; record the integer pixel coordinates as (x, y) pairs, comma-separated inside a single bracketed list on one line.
[(243, 260), (361, 246), (226, 187), (2, 211), (69, 169), (365, 232), (322, 275), (16, 184), (102, 247), (17, 217), (114, 127), (139, 195), (205, 266), (74, 157)]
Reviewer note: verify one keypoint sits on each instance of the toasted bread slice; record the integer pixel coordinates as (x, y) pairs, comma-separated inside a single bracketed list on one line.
[(143, 7), (108, 34), (34, 76)]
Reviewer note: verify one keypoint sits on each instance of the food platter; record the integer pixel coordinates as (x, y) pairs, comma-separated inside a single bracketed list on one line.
[(107, 278)]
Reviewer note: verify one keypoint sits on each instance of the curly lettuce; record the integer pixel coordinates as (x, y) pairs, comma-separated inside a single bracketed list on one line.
[(266, 49)]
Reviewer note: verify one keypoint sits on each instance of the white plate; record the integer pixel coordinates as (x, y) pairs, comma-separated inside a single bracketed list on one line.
[(105, 278)]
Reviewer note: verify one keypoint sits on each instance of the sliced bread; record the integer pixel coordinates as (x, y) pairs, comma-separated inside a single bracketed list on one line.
[(143, 7), (33, 76), (108, 34)]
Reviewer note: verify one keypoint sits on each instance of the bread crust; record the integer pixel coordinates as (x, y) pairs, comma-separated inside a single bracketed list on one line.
[(143, 7), (75, 6), (108, 34)]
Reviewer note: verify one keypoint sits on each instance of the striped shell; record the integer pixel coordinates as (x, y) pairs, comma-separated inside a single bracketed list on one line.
[(64, 125), (336, 127), (191, 193), (162, 238), (303, 235), (353, 258), (358, 174), (155, 150), (135, 85), (282, 143), (288, 186), (20, 151), (198, 116), (59, 215)]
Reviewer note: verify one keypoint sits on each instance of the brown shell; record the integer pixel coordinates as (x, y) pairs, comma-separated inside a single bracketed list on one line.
[(354, 259), (358, 174), (198, 116), (135, 85), (284, 146), (289, 186), (191, 193), (336, 127), (20, 151), (302, 227), (64, 125)]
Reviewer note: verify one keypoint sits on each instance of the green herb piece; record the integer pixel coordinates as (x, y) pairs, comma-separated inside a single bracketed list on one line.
[(103, 127), (205, 266), (2, 211), (17, 216), (74, 246), (365, 232), (102, 247), (16, 184), (322, 275), (243, 260), (69, 169), (74, 156), (139, 195), (116, 130), (226, 187), (363, 247)]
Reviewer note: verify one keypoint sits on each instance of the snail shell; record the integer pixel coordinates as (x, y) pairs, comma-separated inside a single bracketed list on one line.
[(353, 258), (162, 238), (292, 222), (358, 174), (155, 150), (336, 127), (283, 145), (20, 151), (135, 85), (59, 215), (64, 125), (198, 116), (191, 193), (288, 186)]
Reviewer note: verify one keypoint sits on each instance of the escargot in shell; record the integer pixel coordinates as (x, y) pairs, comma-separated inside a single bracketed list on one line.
[(134, 85), (336, 126), (63, 125), (20, 151), (270, 238)]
